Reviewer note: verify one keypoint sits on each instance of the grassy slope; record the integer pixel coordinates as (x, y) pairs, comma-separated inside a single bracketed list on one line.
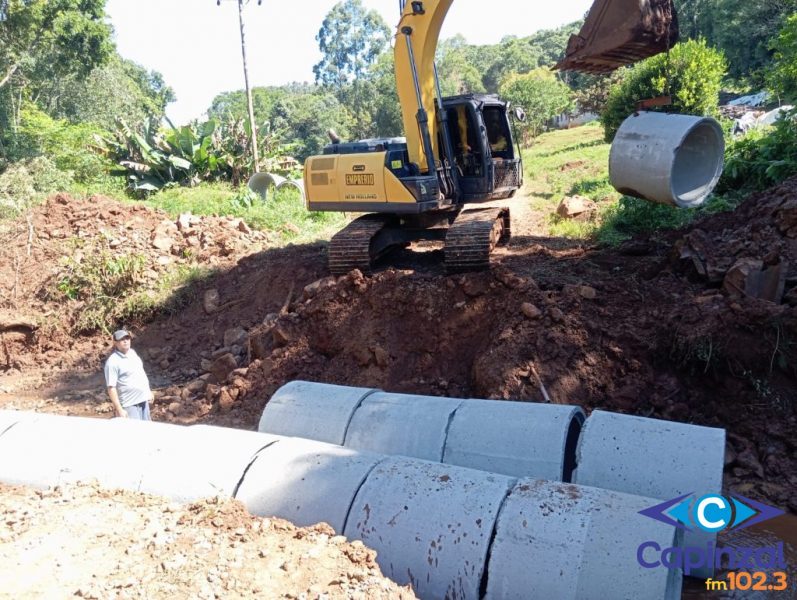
[(567, 162), (576, 161)]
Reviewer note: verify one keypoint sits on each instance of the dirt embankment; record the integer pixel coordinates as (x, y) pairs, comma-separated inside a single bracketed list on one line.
[(85, 542), (696, 326)]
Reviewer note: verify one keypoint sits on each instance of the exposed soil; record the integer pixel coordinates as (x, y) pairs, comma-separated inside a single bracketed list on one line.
[(83, 541), (698, 325)]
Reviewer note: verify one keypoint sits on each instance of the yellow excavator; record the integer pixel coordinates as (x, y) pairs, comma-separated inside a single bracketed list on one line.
[(458, 150)]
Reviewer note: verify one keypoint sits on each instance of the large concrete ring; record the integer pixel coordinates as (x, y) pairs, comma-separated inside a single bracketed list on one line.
[(314, 411), (430, 524), (569, 542)]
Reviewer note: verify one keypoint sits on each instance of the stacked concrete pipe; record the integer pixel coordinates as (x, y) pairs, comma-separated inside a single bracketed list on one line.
[(520, 439), (635, 455), (448, 530), (658, 459)]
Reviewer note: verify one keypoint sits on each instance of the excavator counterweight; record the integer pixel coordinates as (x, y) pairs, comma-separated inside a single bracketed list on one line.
[(621, 32)]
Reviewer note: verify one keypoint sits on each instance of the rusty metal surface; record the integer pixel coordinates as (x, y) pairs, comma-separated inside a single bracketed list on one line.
[(621, 32)]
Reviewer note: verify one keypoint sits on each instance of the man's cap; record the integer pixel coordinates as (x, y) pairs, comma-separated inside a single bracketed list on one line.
[(121, 334)]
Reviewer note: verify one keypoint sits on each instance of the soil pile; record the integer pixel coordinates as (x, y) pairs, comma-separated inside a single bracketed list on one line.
[(45, 259), (79, 540)]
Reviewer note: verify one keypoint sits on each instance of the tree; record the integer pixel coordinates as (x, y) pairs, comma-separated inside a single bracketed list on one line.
[(741, 29), (351, 38), (457, 74), (541, 95), (592, 92), (387, 113), (118, 88), (691, 73), (59, 37), (306, 118), (782, 75), (516, 56)]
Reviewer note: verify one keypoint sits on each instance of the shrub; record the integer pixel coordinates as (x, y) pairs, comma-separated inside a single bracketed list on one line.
[(761, 158), (25, 182), (69, 147), (695, 72)]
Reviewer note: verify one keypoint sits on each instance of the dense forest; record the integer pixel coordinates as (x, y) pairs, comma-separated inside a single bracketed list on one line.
[(73, 112)]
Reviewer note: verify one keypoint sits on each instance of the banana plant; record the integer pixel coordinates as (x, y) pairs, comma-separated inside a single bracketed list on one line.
[(154, 158)]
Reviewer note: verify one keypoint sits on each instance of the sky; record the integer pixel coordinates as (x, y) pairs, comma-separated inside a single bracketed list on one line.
[(195, 44)]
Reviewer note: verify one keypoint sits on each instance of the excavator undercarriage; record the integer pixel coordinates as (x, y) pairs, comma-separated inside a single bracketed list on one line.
[(469, 237)]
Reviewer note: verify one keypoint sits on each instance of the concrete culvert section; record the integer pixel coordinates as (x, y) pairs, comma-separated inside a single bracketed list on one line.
[(430, 524), (667, 158), (9, 418), (315, 411), (403, 424), (206, 461), (49, 449), (654, 458), (521, 439), (305, 482), (569, 542)]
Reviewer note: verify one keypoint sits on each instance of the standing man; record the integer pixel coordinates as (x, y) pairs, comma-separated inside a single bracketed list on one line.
[(127, 383)]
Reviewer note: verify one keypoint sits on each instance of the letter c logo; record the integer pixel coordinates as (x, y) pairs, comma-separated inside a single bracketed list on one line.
[(712, 513)]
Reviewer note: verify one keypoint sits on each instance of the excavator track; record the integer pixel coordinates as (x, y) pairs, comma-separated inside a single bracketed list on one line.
[(350, 248), (472, 237)]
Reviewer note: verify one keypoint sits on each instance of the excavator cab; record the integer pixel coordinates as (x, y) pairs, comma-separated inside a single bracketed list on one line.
[(487, 163)]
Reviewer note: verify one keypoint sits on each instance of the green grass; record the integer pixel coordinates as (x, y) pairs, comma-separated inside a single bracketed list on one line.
[(113, 292), (567, 162), (576, 162)]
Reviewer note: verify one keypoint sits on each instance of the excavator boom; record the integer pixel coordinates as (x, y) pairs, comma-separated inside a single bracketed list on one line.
[(621, 32), (414, 52)]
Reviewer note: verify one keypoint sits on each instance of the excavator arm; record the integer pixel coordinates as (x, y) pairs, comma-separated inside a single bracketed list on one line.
[(615, 33), (414, 53)]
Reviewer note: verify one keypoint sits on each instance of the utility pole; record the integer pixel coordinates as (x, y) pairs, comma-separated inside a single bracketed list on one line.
[(250, 106)]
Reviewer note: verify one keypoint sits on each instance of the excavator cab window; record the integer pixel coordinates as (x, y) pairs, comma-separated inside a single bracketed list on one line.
[(498, 136), (465, 142)]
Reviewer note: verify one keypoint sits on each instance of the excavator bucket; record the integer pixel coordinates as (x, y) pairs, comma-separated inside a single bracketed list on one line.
[(620, 32)]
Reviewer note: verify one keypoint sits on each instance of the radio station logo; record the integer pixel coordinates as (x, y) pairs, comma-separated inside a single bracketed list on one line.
[(710, 513)]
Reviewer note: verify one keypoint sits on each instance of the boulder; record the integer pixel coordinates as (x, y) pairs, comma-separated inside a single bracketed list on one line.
[(576, 207)]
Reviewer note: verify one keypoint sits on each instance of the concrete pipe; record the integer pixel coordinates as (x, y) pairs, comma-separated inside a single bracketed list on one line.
[(403, 424), (293, 184), (305, 482), (430, 524), (667, 158), (569, 542), (203, 461), (521, 439), (314, 411), (50, 449), (261, 183), (654, 458)]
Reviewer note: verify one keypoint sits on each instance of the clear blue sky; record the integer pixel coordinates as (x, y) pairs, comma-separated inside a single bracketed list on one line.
[(195, 44)]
